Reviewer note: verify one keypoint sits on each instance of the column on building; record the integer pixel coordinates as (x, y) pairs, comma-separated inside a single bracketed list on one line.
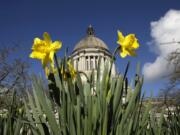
[(89, 66), (91, 62), (80, 63), (113, 70), (94, 62), (74, 63), (77, 63), (86, 62), (98, 59), (83, 62), (102, 61)]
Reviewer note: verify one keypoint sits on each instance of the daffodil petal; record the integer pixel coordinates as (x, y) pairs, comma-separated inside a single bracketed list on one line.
[(45, 61), (120, 37), (37, 55), (47, 38), (123, 52), (63, 73), (131, 52), (71, 69), (37, 42), (56, 45), (135, 45), (51, 58), (118, 42), (129, 40)]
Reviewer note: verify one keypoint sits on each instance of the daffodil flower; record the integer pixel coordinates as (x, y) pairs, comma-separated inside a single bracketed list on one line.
[(128, 44), (71, 71), (44, 50)]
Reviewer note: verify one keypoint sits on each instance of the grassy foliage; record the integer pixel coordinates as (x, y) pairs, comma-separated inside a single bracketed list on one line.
[(71, 108)]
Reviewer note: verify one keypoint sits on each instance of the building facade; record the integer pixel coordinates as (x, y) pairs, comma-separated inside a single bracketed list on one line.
[(87, 53)]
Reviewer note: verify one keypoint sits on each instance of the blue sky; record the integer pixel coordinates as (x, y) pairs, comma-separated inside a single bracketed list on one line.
[(65, 20)]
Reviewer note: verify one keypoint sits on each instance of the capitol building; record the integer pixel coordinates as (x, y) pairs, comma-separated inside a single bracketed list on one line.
[(87, 53)]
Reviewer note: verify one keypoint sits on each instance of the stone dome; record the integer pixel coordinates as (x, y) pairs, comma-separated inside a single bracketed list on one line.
[(90, 41)]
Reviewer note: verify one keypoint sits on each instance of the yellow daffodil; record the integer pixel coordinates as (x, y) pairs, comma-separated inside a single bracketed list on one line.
[(71, 71), (44, 50), (128, 44)]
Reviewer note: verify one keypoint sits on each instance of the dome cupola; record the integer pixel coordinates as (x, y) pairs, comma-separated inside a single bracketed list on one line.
[(90, 41)]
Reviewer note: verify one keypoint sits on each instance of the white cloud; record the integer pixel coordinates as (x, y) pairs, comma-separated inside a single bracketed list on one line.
[(165, 30)]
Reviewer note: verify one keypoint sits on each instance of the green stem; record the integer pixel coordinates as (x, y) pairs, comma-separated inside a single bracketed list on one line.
[(115, 51), (57, 65), (113, 57)]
